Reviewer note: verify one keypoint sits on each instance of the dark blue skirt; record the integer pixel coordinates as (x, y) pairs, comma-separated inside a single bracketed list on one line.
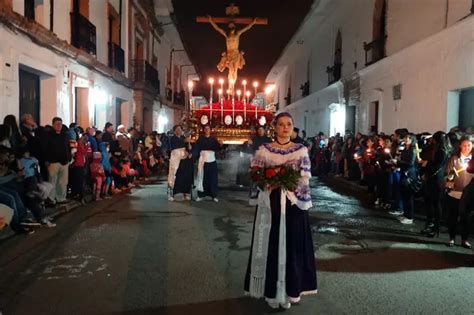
[(300, 261), (184, 177), (210, 180)]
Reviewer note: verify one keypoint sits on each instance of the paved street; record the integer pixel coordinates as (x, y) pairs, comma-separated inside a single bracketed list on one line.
[(140, 254)]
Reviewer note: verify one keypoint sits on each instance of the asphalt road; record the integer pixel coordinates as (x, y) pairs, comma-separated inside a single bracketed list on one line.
[(140, 254)]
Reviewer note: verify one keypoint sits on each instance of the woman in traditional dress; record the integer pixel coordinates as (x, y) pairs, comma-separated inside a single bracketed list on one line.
[(180, 176), (206, 181), (282, 265)]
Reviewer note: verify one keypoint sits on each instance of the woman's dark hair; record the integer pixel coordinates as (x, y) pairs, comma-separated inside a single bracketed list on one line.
[(283, 114), (442, 142), (98, 133), (5, 132), (10, 121), (176, 126), (107, 125)]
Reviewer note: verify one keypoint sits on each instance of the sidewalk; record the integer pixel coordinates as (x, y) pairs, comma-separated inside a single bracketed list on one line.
[(59, 210)]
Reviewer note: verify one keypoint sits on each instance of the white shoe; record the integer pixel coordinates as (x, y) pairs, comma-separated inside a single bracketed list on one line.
[(406, 221), (198, 199), (47, 223), (187, 197), (286, 305), (294, 300), (377, 202), (397, 213), (273, 305), (215, 199), (170, 198)]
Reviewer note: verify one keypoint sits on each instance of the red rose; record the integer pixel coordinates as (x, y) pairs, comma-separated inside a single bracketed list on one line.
[(270, 173)]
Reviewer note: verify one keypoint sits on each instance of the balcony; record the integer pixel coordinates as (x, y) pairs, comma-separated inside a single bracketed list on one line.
[(83, 33), (374, 51), (116, 57), (145, 73), (334, 73)]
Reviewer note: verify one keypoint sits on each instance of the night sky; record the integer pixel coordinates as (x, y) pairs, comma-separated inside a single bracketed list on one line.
[(262, 44)]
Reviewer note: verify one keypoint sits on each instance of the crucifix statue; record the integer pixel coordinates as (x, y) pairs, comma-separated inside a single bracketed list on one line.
[(233, 58)]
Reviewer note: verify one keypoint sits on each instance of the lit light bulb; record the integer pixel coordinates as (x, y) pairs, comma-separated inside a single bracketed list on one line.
[(211, 80), (244, 82), (190, 84), (239, 92), (255, 84), (221, 81)]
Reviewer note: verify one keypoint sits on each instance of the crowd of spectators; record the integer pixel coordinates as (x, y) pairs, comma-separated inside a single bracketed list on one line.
[(401, 167), (45, 166)]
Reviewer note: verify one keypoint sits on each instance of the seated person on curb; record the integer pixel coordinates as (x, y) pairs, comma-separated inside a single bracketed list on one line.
[(6, 215)]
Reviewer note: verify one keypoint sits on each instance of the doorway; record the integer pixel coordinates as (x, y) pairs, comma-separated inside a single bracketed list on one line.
[(30, 94), (374, 117), (337, 120), (118, 111)]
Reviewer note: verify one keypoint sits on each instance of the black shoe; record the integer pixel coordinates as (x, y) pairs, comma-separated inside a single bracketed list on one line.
[(428, 229), (24, 230), (433, 233)]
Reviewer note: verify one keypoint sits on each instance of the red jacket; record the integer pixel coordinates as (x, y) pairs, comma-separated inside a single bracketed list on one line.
[(80, 156)]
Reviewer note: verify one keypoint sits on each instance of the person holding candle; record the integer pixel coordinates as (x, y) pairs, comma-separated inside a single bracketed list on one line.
[(384, 172), (281, 265), (434, 179), (458, 179), (409, 173)]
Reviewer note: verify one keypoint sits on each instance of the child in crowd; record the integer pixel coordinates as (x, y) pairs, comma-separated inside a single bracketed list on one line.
[(104, 150), (97, 174), (29, 165)]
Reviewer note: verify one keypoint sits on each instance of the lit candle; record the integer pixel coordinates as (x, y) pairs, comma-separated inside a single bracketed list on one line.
[(211, 82), (221, 82), (220, 92), (244, 83), (239, 92), (387, 150), (247, 94), (190, 86), (255, 86)]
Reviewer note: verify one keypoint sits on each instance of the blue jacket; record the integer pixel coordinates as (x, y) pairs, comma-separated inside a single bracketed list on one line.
[(105, 157)]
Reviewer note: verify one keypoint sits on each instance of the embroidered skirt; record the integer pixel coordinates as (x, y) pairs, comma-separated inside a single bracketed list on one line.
[(300, 261)]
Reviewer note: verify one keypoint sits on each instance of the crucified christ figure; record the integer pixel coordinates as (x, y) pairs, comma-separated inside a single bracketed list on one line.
[(233, 59)]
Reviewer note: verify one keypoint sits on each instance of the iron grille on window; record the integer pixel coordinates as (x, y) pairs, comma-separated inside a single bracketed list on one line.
[(83, 33), (116, 57), (334, 73), (374, 51)]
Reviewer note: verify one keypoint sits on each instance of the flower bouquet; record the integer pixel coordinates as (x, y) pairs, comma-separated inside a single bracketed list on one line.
[(282, 176)]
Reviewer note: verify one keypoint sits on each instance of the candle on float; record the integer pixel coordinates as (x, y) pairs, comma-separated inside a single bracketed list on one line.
[(211, 82), (244, 84), (239, 92), (221, 82), (220, 92), (255, 86), (247, 94)]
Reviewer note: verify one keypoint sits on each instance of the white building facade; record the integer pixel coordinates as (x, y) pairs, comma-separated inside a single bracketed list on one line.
[(378, 65), (86, 61)]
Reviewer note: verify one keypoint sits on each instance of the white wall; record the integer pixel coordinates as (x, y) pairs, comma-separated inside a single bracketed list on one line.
[(98, 17), (56, 91), (409, 21), (316, 108), (427, 71)]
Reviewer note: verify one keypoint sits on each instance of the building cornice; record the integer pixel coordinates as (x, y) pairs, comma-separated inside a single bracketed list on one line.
[(47, 39)]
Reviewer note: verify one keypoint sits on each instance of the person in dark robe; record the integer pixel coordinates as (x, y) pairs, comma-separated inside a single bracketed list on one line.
[(206, 181), (253, 145), (180, 178)]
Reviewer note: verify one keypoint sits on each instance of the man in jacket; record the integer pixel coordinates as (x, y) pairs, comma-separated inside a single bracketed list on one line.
[(57, 153)]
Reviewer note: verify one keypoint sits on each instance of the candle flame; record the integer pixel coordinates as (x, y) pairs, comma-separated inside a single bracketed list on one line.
[(211, 80)]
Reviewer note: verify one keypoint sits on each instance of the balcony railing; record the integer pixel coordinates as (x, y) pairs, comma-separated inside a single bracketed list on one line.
[(116, 57), (142, 71), (374, 51), (83, 33), (334, 73)]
